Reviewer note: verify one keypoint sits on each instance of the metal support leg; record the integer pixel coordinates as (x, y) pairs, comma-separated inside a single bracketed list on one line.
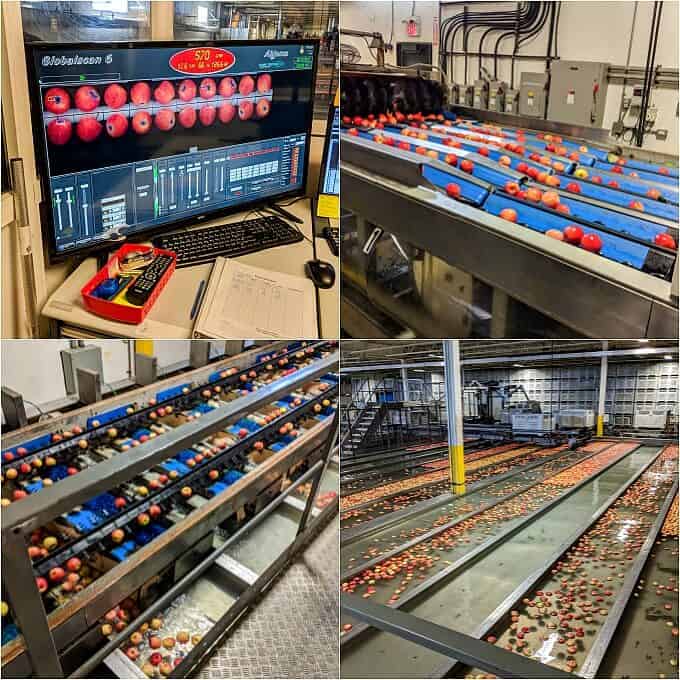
[(328, 447), (199, 353), (89, 385), (146, 369), (454, 406), (13, 408), (603, 389), (28, 609)]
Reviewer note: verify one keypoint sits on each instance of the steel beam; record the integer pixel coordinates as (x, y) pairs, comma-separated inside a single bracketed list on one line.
[(603, 389), (448, 642)]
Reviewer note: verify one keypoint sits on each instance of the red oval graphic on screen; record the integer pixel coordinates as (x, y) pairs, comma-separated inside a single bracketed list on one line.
[(202, 60)]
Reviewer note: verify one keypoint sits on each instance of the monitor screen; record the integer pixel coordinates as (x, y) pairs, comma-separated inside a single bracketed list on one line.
[(331, 170), (138, 137)]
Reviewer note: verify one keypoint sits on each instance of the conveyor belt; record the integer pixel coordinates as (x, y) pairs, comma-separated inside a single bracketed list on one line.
[(641, 251), (29, 466), (488, 580)]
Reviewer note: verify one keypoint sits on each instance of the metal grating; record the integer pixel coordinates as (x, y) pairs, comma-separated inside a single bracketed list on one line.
[(293, 630)]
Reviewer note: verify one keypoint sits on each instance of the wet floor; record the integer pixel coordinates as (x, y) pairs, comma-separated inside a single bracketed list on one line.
[(464, 601)]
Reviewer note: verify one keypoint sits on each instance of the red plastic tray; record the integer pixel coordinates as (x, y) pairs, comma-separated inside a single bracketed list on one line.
[(114, 311)]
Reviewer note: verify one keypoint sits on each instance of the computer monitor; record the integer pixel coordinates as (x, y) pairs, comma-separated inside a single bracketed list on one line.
[(135, 138), (328, 202)]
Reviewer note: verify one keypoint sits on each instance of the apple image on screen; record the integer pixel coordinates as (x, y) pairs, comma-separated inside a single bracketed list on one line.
[(141, 122), (140, 93), (59, 131), (226, 112), (164, 93), (88, 129), (165, 120), (87, 98), (262, 108), (116, 125), (187, 90), (245, 110), (228, 87), (207, 114), (187, 117), (115, 96), (207, 88), (57, 100), (246, 85), (264, 83)]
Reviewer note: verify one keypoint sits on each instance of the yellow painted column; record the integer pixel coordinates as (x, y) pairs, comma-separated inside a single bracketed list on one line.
[(600, 425), (144, 347), (453, 378)]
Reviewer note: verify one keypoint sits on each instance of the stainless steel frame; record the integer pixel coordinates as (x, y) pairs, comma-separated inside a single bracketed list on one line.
[(43, 635)]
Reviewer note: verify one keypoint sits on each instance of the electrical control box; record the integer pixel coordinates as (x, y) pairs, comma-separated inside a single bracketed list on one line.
[(481, 94), (465, 95), (533, 89), (497, 90), (511, 102), (578, 90)]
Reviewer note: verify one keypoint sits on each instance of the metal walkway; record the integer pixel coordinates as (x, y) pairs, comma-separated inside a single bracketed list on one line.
[(293, 631)]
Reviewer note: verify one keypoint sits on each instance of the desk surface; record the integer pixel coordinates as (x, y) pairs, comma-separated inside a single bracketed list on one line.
[(169, 317)]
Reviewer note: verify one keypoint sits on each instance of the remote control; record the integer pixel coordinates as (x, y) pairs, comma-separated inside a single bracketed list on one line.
[(331, 236), (138, 293)]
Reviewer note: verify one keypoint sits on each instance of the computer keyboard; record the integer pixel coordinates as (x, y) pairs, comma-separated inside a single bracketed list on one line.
[(228, 240)]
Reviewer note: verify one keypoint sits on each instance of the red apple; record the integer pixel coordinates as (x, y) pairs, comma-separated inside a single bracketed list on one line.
[(226, 112), (155, 511), (665, 240), (591, 242), (73, 564), (551, 199), (207, 115), (246, 85), (59, 131), (509, 214), (207, 88), (87, 98), (467, 166), (556, 234), (164, 93), (116, 125), (453, 190), (140, 93), (57, 100), (41, 583), (141, 122), (57, 574), (574, 188), (88, 128), (262, 108), (264, 83), (636, 205), (115, 96), (165, 120), (187, 90), (228, 87), (245, 110), (573, 234), (654, 194), (120, 502), (187, 117)]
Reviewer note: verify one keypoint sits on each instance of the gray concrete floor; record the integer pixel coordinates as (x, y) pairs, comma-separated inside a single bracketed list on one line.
[(293, 631)]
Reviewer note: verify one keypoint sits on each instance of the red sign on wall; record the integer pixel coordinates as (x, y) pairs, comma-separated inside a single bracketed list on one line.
[(202, 60)]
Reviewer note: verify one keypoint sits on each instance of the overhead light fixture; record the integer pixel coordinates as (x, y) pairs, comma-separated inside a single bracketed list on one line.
[(644, 350), (643, 341), (518, 365), (668, 357)]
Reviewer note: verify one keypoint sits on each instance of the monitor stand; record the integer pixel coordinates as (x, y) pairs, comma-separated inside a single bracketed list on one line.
[(284, 213)]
